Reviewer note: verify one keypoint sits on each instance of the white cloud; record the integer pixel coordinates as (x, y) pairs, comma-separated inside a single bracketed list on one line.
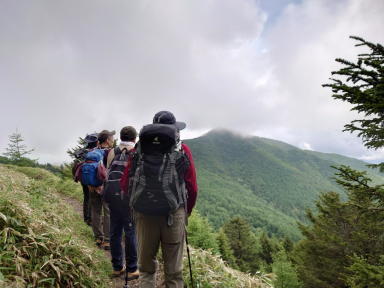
[(303, 44), (70, 68), (306, 146)]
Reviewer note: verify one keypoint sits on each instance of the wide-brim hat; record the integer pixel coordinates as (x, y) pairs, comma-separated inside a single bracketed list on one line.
[(166, 117)]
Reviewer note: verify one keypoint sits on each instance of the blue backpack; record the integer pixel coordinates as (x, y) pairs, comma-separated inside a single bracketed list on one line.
[(89, 170)]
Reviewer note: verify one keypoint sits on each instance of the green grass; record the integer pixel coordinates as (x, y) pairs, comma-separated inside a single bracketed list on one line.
[(43, 242), (64, 186)]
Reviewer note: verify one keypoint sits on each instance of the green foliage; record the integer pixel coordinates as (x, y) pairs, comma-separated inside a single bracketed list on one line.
[(62, 185), (25, 162), (16, 150), (364, 274), (361, 83), (243, 244), (72, 152), (342, 230), (287, 244), (62, 171), (267, 249), (225, 249), (285, 272), (268, 182), (37, 245), (200, 233)]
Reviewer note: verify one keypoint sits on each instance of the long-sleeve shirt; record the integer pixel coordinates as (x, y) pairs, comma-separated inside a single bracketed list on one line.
[(189, 178)]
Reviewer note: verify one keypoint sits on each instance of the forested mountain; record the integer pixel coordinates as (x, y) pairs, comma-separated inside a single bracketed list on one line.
[(268, 182)]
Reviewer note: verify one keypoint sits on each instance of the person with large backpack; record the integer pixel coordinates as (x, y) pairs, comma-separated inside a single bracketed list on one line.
[(99, 208), (161, 183), (120, 216), (91, 142)]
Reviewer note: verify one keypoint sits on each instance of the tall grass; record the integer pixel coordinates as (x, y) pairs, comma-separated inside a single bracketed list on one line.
[(43, 242), (210, 271)]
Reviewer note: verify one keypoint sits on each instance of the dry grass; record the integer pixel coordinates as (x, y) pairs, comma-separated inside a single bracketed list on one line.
[(210, 270)]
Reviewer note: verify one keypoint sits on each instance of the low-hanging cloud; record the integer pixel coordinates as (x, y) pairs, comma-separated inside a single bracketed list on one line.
[(74, 67)]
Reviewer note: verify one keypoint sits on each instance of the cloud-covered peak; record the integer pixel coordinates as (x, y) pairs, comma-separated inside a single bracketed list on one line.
[(71, 68)]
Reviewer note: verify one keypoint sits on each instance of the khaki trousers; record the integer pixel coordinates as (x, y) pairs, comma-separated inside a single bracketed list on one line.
[(153, 231), (99, 215)]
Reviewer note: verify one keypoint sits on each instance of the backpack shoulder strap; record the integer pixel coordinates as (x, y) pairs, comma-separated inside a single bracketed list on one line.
[(117, 150)]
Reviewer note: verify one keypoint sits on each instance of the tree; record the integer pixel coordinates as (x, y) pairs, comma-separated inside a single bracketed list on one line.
[(243, 244), (342, 231), (366, 275), (287, 244), (267, 249), (286, 275), (225, 249), (200, 233), (344, 244), (361, 83), (16, 150), (72, 152)]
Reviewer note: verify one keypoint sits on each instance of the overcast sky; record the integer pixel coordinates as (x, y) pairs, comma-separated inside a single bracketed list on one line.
[(68, 68)]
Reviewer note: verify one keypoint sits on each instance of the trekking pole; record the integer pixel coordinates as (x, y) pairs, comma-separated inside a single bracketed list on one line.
[(126, 264), (126, 278), (189, 259)]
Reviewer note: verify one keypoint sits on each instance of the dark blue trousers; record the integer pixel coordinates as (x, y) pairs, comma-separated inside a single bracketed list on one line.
[(121, 221), (86, 205)]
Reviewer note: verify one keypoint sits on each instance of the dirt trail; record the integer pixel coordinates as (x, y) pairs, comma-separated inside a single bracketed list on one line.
[(115, 282)]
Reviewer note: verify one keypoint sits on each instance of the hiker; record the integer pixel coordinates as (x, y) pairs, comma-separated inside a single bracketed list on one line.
[(99, 209), (91, 142), (120, 216), (161, 182)]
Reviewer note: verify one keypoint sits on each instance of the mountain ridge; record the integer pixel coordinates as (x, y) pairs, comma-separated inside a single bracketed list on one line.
[(242, 175)]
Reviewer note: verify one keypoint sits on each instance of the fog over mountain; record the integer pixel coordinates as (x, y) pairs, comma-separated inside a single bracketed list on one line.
[(256, 67)]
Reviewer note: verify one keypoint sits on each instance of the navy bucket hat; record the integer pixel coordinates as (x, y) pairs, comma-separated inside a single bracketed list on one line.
[(166, 117)]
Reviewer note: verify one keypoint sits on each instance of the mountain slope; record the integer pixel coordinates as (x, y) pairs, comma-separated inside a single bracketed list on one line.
[(268, 182)]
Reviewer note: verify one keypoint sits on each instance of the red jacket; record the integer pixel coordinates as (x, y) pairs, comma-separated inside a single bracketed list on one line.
[(189, 178)]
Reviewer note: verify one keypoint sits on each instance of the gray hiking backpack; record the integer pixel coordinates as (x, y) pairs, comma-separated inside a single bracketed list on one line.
[(156, 181), (115, 172)]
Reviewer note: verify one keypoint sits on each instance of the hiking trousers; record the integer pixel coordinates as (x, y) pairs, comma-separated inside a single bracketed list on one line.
[(99, 215), (121, 221), (86, 205), (152, 232)]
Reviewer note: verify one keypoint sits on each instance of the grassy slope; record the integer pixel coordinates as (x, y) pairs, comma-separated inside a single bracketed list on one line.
[(33, 194), (57, 235), (268, 182)]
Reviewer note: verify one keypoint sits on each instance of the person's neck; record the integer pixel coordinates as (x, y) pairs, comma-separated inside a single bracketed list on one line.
[(104, 146)]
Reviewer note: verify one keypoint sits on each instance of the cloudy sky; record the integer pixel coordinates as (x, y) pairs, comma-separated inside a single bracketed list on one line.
[(68, 68)]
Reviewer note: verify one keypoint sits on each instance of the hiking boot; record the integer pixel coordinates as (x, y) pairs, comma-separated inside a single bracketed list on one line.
[(99, 242), (105, 246), (133, 275), (118, 273)]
